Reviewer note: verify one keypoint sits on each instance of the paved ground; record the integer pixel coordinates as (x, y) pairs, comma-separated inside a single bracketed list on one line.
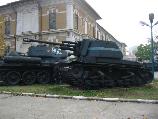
[(12, 107)]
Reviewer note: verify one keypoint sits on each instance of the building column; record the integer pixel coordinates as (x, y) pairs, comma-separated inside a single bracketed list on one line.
[(69, 15), (86, 26), (69, 20)]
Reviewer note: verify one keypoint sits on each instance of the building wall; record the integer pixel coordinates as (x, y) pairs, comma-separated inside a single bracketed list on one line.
[(74, 20), (27, 18), (86, 23)]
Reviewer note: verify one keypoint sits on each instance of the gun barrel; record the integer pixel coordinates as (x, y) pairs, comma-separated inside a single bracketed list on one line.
[(65, 45), (40, 41)]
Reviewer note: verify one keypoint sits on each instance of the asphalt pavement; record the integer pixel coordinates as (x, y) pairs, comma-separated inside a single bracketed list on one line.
[(23, 107)]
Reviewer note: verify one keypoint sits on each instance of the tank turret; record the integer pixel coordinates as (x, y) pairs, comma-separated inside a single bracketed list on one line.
[(45, 51)]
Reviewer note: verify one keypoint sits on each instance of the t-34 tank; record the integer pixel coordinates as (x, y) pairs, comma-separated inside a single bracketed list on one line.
[(97, 64), (37, 65)]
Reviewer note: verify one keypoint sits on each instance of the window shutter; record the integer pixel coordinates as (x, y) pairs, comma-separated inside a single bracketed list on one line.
[(94, 32)]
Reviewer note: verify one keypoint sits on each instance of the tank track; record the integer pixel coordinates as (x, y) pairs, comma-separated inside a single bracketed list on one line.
[(107, 76), (15, 76), (85, 76), (28, 75)]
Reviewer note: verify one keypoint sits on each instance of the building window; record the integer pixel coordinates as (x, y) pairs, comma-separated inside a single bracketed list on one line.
[(76, 22), (82, 22), (107, 38), (97, 34), (102, 37), (52, 19), (93, 31), (7, 27)]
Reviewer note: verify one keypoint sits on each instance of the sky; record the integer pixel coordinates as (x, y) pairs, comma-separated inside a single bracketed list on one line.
[(121, 18)]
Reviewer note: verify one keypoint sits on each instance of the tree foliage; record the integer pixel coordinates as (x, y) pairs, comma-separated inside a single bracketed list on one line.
[(143, 52)]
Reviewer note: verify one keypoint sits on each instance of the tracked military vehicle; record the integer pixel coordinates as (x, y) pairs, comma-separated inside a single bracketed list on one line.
[(37, 65), (96, 64)]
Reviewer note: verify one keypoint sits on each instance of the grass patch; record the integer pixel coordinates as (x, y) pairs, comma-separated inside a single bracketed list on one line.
[(149, 91)]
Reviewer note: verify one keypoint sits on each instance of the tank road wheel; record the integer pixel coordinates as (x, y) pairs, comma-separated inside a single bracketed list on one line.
[(3, 78), (109, 82), (93, 79), (126, 79), (148, 77), (13, 78), (76, 76), (28, 78), (119, 82), (43, 77), (77, 72)]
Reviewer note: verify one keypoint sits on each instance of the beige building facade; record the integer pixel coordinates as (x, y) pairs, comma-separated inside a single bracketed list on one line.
[(51, 20)]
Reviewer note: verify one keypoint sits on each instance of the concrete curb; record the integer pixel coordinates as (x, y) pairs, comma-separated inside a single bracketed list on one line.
[(82, 98)]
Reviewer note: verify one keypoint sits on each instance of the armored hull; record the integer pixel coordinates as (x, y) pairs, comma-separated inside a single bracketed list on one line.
[(13, 73)]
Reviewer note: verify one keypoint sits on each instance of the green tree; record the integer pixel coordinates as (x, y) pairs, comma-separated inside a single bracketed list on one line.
[(143, 52)]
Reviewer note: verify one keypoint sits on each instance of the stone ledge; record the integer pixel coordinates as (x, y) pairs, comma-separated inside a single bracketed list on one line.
[(82, 98)]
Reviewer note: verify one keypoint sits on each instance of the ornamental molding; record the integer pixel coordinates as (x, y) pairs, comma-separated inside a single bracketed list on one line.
[(51, 2), (7, 10), (87, 8), (33, 4), (27, 8)]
